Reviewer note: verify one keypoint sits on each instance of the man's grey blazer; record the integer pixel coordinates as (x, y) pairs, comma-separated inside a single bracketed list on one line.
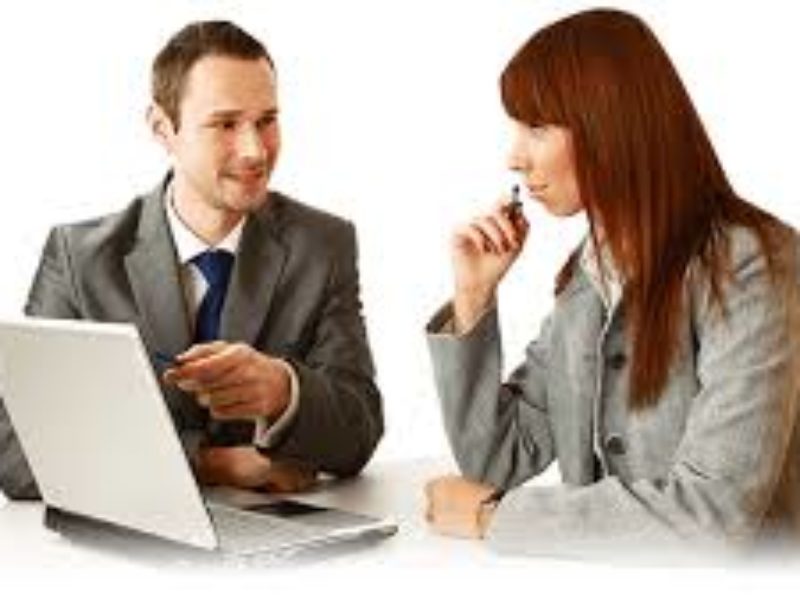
[(716, 458), (294, 293)]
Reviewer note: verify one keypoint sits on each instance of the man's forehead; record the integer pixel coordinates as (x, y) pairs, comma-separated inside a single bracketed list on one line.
[(219, 83)]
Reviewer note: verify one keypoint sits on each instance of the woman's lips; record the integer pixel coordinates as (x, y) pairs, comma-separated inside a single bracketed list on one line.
[(536, 190)]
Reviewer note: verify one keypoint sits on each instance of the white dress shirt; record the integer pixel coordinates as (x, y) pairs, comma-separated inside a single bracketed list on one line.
[(188, 246), (605, 279)]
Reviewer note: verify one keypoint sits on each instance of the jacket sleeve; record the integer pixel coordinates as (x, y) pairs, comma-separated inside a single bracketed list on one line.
[(51, 295), (499, 432), (339, 418), (730, 460)]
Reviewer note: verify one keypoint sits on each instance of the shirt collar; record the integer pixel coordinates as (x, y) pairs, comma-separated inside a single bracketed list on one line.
[(606, 279), (187, 243)]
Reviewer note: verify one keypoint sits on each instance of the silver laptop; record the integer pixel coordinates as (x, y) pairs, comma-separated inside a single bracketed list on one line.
[(86, 406)]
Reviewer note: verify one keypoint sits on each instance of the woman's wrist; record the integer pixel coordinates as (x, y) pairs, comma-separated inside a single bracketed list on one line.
[(469, 307), (486, 510)]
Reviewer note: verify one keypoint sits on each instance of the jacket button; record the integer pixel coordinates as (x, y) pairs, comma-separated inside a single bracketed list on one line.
[(615, 445), (598, 468), (512, 388), (617, 361)]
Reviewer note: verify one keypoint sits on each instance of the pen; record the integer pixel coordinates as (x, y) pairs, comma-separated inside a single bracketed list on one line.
[(164, 360), (514, 208)]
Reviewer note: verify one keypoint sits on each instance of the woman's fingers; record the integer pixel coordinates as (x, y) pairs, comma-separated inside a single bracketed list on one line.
[(491, 233)]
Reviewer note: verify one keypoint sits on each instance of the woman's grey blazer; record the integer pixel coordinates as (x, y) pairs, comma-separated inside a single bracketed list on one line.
[(716, 459)]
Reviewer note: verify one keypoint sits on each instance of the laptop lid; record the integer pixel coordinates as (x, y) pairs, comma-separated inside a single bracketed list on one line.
[(88, 411)]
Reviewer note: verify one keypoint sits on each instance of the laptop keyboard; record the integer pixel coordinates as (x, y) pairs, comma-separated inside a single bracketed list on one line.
[(239, 530)]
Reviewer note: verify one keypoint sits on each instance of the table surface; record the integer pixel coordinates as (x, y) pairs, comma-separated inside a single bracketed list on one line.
[(392, 489), (36, 561)]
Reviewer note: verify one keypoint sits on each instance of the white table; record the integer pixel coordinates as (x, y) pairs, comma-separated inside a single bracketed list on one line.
[(35, 561), (393, 489)]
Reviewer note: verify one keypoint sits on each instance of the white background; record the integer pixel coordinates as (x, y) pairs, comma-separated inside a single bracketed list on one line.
[(391, 117)]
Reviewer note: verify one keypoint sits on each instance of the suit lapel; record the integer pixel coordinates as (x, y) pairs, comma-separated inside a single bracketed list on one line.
[(260, 262), (582, 306), (152, 267)]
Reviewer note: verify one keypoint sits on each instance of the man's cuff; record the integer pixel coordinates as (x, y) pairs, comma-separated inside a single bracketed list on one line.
[(268, 434)]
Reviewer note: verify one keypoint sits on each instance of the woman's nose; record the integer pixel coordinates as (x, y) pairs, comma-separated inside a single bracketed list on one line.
[(517, 159)]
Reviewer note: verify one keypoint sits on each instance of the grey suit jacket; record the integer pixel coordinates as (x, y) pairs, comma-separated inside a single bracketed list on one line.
[(294, 293), (716, 460)]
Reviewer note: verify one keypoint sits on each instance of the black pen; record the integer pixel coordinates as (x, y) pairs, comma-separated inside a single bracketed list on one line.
[(165, 361), (514, 208)]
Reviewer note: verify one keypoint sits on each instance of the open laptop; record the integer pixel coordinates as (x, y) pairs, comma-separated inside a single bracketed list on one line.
[(86, 406)]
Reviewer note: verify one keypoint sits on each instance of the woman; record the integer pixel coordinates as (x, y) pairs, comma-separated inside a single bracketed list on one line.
[(664, 382)]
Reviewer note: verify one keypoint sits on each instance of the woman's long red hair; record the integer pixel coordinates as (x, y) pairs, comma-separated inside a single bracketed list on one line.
[(648, 175)]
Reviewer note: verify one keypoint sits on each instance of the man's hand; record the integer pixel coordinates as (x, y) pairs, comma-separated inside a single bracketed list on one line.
[(245, 467), (455, 506), (233, 380)]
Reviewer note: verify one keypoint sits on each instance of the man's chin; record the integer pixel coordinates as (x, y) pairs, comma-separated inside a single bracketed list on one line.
[(246, 203)]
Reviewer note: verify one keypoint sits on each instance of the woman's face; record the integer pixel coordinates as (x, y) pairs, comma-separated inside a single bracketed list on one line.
[(544, 158)]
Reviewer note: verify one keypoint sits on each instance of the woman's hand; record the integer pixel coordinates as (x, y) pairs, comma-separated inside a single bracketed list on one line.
[(456, 506), (482, 251)]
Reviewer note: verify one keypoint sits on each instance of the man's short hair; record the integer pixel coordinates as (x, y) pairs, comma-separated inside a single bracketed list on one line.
[(195, 41)]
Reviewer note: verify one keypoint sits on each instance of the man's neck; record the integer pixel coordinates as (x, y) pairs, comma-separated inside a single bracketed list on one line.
[(206, 222)]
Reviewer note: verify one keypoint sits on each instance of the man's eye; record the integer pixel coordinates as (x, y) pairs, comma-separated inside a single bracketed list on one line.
[(224, 125), (265, 122)]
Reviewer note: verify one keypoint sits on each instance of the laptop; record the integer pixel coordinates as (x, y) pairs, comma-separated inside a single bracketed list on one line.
[(87, 408)]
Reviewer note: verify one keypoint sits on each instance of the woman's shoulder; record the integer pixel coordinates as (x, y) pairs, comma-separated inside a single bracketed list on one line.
[(745, 244), (764, 263), (772, 253)]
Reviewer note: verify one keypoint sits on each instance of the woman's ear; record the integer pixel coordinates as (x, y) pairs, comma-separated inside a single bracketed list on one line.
[(161, 126)]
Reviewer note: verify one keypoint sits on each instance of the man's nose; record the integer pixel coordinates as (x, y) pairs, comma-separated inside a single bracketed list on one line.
[(249, 144)]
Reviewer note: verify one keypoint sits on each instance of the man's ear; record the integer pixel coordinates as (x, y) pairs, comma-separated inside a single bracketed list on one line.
[(160, 126)]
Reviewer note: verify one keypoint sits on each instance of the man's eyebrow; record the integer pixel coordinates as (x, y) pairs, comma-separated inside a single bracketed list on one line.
[(269, 113), (224, 114), (233, 114)]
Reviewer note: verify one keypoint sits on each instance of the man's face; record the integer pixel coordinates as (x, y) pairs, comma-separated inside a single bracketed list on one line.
[(228, 140)]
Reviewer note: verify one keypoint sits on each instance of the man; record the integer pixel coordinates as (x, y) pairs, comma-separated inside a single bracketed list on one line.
[(255, 295)]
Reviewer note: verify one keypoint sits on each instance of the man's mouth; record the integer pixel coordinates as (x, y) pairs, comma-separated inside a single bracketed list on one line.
[(248, 177)]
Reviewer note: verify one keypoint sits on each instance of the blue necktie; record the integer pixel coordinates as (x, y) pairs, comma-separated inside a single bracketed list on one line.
[(216, 266)]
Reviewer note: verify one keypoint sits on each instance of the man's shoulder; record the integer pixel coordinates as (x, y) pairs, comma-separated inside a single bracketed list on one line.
[(294, 210), (296, 218), (116, 230)]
